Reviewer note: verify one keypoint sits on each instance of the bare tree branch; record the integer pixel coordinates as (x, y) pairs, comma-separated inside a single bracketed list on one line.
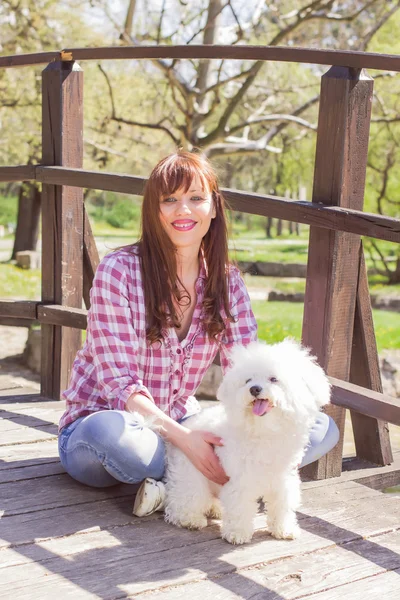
[(245, 147), (387, 271), (273, 117), (227, 80), (160, 21), (240, 33), (368, 36), (348, 18), (158, 126), (129, 17), (104, 148), (110, 90)]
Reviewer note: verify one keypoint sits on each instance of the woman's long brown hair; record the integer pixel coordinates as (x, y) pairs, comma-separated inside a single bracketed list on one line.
[(162, 287)]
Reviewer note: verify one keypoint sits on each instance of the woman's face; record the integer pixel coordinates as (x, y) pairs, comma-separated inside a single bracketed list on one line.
[(186, 216)]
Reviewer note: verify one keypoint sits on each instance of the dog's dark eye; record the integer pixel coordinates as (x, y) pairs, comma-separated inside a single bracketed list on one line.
[(273, 380), (248, 380)]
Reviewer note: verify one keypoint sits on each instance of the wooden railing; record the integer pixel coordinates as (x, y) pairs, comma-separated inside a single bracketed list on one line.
[(337, 321)]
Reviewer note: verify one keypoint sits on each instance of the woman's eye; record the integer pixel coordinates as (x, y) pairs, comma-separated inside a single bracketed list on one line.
[(248, 380), (273, 380), (197, 198), (170, 199)]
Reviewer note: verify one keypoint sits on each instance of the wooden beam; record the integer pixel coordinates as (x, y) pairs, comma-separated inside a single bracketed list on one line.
[(371, 436), (365, 402), (114, 182), (343, 58), (18, 173), (310, 213), (62, 220), (333, 258), (340, 58), (21, 309), (64, 316), (25, 60), (91, 258), (16, 322)]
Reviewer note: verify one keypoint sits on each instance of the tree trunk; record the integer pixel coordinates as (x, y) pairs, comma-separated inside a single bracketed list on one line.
[(129, 18), (268, 226), (27, 231), (210, 34), (395, 275)]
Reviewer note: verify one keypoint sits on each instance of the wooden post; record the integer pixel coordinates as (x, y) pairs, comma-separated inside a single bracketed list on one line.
[(371, 437), (62, 219), (333, 258), (90, 258)]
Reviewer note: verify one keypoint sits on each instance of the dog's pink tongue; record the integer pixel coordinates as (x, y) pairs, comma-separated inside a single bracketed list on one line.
[(260, 407)]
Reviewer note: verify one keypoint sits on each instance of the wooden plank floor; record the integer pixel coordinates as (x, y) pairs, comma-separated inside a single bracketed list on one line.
[(59, 539)]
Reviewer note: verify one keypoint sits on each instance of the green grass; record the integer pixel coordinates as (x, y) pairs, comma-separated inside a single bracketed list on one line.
[(277, 320), (8, 210), (283, 251), (17, 283)]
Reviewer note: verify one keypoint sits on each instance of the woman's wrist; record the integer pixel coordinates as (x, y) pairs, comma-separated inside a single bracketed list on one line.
[(175, 433), (169, 429)]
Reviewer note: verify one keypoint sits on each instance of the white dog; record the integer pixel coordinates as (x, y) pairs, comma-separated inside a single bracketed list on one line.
[(270, 398)]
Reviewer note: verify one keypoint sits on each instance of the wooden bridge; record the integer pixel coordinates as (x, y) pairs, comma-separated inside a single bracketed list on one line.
[(59, 538)]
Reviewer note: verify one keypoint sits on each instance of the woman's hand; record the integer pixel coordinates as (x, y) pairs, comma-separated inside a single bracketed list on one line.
[(198, 447)]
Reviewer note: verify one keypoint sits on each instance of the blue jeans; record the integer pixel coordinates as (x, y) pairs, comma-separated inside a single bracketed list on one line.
[(110, 447)]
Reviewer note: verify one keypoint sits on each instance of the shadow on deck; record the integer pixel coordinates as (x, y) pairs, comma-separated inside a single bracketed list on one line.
[(61, 539)]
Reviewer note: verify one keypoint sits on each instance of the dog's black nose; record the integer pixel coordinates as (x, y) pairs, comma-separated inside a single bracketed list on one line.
[(255, 390)]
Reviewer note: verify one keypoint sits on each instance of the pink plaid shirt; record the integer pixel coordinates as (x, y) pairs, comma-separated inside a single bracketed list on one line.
[(116, 360)]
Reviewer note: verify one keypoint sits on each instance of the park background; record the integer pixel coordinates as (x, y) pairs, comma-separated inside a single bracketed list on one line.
[(256, 121)]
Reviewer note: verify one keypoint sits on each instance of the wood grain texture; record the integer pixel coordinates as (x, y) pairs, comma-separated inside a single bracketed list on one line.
[(23, 309), (18, 173), (181, 557), (368, 402), (333, 258), (28, 454), (62, 219), (62, 315), (297, 577), (317, 214), (371, 435)]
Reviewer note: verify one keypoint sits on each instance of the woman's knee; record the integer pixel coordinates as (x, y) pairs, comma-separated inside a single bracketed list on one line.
[(129, 451)]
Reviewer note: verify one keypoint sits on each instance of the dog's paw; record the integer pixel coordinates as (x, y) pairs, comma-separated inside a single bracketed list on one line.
[(237, 536), (285, 531), (215, 512), (193, 522)]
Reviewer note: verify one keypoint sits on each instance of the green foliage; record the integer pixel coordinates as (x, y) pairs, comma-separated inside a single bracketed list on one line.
[(119, 211), (8, 210)]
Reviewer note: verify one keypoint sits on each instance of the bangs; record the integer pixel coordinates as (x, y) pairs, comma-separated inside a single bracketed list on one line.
[(178, 171)]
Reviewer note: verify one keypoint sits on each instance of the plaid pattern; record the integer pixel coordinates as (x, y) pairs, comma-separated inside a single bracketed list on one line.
[(116, 360)]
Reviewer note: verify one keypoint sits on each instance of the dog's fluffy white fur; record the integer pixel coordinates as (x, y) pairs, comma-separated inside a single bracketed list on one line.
[(270, 397)]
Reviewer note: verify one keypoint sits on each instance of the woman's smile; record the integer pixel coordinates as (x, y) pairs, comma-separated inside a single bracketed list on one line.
[(184, 224)]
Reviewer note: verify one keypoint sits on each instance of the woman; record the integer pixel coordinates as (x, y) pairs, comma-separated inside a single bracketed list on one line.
[(160, 311)]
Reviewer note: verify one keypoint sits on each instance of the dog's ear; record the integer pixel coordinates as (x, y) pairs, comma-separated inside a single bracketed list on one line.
[(316, 380), (235, 355), (311, 373)]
